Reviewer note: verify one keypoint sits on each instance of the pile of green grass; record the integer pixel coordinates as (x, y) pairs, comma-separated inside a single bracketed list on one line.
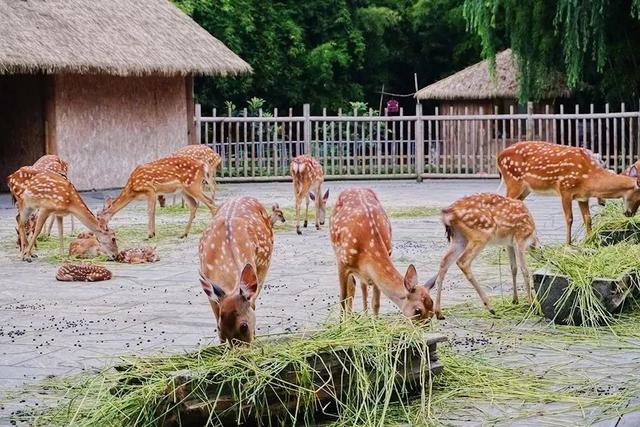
[(610, 218)]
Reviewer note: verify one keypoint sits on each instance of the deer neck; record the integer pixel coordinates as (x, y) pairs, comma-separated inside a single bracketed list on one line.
[(606, 184), (123, 199), (84, 214), (384, 275)]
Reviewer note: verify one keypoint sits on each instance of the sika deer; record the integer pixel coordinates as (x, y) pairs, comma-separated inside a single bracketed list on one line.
[(235, 253), (276, 215), (475, 221), (51, 193), (570, 172), (85, 247), (162, 176), (361, 237), (307, 174)]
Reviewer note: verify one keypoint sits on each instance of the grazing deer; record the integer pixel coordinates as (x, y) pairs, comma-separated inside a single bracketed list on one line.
[(361, 237), (473, 222), (570, 172), (277, 215), (52, 193), (307, 174), (235, 253), (162, 176)]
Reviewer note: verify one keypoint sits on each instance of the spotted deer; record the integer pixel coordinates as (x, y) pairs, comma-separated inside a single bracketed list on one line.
[(206, 155), (360, 234), (163, 176), (473, 222), (52, 193), (82, 272), (85, 247), (235, 253), (570, 172), (307, 175)]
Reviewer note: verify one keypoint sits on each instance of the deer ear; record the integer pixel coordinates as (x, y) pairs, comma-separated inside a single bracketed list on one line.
[(108, 201), (633, 172), (312, 196), (326, 196), (213, 291), (275, 207), (410, 278), (248, 282)]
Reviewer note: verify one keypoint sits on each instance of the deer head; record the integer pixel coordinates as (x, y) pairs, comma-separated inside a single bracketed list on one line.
[(417, 304), (107, 240), (631, 199), (235, 311), (320, 206), (276, 214)]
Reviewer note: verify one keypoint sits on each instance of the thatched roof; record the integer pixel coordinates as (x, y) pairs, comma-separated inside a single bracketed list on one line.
[(118, 37), (475, 82)]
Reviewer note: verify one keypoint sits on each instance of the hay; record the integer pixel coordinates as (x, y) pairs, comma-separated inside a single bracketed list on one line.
[(610, 218)]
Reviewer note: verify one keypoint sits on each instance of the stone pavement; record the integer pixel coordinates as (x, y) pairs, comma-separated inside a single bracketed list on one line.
[(57, 328)]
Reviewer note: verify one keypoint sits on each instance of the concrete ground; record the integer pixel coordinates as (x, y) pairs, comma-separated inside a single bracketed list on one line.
[(59, 328)]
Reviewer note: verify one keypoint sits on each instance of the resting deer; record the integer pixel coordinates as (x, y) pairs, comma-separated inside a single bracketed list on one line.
[(361, 237), (570, 172), (85, 247), (206, 155), (162, 176), (235, 253), (307, 175), (473, 222), (51, 193)]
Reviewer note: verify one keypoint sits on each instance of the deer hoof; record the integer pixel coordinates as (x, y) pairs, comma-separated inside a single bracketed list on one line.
[(514, 301), (305, 224), (298, 231), (26, 258), (183, 236), (440, 316)]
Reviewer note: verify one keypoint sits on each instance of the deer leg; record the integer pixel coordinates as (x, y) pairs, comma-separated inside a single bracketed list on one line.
[(524, 268), (25, 213), (196, 193), (59, 220), (454, 250), (351, 290), (568, 215), (364, 287), (375, 300), (515, 189), (162, 201), (318, 195), (49, 227), (193, 207), (586, 214), (346, 304), (464, 263), (306, 212), (514, 272), (151, 212), (298, 203), (42, 217)]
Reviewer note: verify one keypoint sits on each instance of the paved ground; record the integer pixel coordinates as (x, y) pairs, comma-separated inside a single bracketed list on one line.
[(55, 328)]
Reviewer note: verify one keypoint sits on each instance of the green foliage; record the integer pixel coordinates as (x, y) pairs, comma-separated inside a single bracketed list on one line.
[(328, 52)]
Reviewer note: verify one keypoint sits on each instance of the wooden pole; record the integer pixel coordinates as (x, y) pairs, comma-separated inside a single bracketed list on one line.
[(419, 137)]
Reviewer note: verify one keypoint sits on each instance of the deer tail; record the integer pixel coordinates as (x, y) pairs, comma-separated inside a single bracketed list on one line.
[(447, 216), (297, 168)]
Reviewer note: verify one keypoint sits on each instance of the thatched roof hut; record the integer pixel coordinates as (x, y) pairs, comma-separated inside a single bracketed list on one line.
[(476, 83), (104, 84)]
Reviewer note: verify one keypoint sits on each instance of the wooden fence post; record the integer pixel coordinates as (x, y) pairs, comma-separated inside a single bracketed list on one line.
[(530, 124), (306, 126), (419, 137), (198, 122)]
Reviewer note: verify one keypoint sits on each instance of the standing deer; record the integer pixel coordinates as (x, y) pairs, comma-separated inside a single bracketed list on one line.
[(235, 253), (361, 237), (52, 193), (162, 176), (475, 221), (307, 174), (206, 155), (570, 172)]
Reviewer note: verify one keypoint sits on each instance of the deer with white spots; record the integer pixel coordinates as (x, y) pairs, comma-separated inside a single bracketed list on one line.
[(360, 233), (235, 253), (206, 155), (570, 172), (473, 222), (307, 175), (163, 176), (53, 194)]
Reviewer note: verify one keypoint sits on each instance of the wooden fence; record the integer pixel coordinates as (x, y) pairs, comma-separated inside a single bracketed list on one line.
[(371, 146)]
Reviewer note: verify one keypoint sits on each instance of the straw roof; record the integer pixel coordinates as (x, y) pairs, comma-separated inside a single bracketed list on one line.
[(118, 37), (475, 82)]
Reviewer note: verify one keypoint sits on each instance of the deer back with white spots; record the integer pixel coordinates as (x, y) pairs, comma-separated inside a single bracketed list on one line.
[(308, 176), (163, 176), (360, 233), (235, 254), (52, 194), (573, 173), (473, 222)]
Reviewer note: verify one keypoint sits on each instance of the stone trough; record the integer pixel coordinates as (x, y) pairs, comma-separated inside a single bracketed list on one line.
[(550, 287), (630, 233)]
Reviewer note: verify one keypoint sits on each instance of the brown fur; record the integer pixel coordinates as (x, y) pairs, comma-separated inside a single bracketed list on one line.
[(82, 272), (307, 174)]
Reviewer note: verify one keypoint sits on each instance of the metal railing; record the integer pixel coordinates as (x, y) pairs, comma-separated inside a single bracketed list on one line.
[(439, 145)]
